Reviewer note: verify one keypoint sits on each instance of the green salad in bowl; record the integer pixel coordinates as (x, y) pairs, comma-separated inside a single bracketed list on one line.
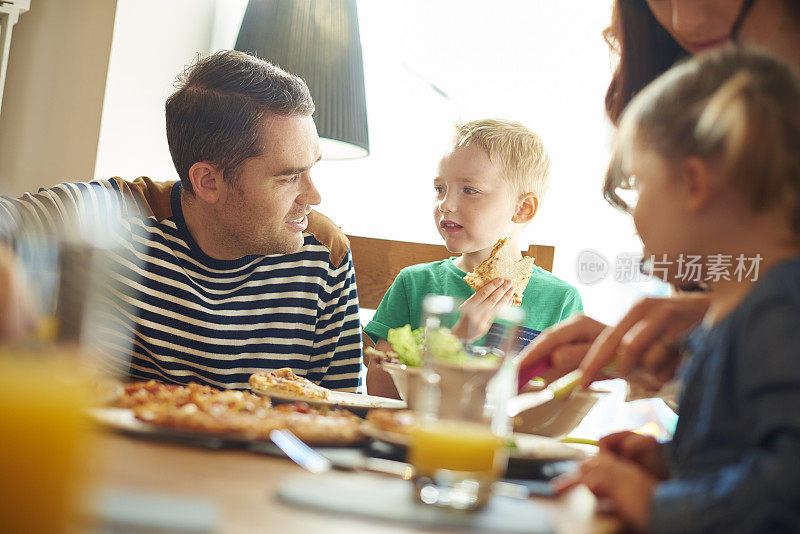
[(448, 357), (409, 345)]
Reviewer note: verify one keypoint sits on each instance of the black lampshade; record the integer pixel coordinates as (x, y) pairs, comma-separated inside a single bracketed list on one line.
[(319, 41)]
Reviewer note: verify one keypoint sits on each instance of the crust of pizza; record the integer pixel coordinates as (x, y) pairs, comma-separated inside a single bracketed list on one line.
[(500, 265), (396, 421), (286, 381), (337, 427), (240, 414)]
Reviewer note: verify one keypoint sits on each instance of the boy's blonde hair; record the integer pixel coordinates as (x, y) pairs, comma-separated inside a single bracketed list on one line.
[(519, 152), (737, 108)]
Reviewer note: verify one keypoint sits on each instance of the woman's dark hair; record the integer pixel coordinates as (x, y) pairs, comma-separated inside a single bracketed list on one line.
[(216, 112), (644, 49)]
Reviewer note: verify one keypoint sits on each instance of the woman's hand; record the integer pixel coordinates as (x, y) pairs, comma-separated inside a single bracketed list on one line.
[(642, 450), (478, 311), (629, 487), (648, 337), (565, 345)]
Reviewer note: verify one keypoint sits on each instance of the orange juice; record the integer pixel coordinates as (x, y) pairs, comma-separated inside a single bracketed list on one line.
[(455, 446), (455, 463), (47, 329), (44, 446)]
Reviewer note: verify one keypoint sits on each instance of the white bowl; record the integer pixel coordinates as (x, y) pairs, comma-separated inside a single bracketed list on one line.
[(456, 378), (406, 379)]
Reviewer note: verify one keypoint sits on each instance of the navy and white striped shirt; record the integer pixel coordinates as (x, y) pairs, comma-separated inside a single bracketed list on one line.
[(175, 314)]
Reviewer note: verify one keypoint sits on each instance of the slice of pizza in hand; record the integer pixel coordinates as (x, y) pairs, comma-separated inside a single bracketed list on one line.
[(285, 381), (500, 265)]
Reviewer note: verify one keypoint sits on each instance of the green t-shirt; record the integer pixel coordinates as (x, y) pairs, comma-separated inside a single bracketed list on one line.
[(546, 300)]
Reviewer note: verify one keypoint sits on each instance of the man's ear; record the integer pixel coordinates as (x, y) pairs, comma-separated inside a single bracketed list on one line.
[(207, 182), (527, 205), (697, 182)]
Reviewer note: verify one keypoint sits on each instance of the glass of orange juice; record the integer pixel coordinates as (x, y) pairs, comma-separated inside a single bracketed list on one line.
[(458, 448), (46, 449)]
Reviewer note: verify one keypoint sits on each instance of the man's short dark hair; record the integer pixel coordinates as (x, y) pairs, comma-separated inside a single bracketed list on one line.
[(214, 115)]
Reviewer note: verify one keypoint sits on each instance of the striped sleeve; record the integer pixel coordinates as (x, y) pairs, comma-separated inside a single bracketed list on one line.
[(337, 340), (88, 211)]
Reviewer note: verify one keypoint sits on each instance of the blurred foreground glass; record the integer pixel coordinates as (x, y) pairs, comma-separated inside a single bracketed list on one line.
[(459, 447), (46, 446), (71, 264), (47, 383), (57, 275), (79, 297)]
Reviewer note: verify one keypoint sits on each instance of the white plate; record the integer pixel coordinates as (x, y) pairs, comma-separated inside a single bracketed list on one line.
[(336, 398), (119, 419), (528, 446), (123, 420)]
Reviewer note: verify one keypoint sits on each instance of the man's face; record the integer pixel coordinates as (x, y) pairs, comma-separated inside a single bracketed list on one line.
[(263, 211), (474, 204)]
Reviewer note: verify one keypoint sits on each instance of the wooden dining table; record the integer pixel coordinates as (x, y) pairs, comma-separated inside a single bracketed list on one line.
[(241, 488)]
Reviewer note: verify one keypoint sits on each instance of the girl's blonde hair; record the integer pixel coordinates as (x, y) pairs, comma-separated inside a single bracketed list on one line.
[(519, 152), (738, 108)]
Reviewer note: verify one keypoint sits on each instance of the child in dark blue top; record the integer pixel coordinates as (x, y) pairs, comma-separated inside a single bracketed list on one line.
[(713, 149)]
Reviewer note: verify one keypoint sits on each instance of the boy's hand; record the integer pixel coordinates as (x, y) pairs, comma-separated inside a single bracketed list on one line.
[(642, 450), (478, 311), (629, 487)]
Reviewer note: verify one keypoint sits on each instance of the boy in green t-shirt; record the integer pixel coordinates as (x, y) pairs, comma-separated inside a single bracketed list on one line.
[(489, 186)]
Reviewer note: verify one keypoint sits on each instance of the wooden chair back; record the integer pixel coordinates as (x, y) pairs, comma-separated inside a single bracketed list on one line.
[(377, 262)]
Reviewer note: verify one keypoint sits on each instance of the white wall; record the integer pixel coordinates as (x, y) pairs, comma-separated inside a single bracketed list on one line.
[(153, 41), (53, 96), (141, 75)]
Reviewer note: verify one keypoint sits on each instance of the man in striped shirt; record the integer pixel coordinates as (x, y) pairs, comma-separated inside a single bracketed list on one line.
[(227, 271)]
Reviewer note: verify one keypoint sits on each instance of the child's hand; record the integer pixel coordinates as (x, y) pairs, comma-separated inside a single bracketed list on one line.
[(478, 311), (629, 487), (642, 450)]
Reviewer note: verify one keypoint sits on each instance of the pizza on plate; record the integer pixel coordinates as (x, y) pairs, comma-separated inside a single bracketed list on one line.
[(137, 394), (394, 421), (231, 413), (285, 381), (500, 265)]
